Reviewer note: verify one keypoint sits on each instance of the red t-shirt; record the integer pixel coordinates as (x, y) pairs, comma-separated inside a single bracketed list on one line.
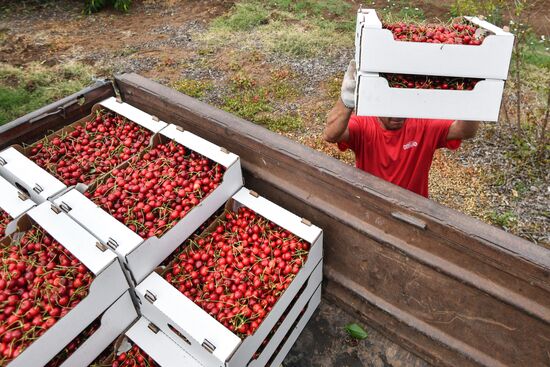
[(403, 156)]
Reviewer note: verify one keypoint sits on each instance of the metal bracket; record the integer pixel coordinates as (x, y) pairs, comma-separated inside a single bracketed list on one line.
[(154, 328), (55, 209), (155, 118), (112, 243), (62, 110), (22, 196), (149, 296), (3, 162), (410, 220), (37, 188), (306, 222), (65, 207), (253, 193), (224, 150), (206, 344), (179, 128), (101, 246)]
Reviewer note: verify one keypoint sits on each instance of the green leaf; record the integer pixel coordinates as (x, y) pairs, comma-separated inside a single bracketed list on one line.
[(356, 331)]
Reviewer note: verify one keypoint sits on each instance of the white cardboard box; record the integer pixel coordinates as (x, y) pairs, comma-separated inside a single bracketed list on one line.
[(291, 319), (141, 256), (114, 322), (159, 346), (205, 338), (378, 52), (40, 184), (374, 97), (108, 285), (14, 202), (20, 171), (198, 327), (296, 330)]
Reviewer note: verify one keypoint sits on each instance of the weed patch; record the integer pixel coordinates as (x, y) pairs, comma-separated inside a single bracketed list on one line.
[(297, 28), (193, 88), (25, 90), (285, 123)]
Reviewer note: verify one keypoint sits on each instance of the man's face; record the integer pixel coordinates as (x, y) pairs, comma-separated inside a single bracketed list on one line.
[(392, 123)]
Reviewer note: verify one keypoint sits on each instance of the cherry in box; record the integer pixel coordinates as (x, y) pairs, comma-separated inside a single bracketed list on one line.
[(194, 319), (144, 230), (69, 279), (377, 51)]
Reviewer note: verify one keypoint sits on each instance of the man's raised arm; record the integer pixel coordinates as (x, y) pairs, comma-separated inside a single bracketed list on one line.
[(462, 130), (337, 120)]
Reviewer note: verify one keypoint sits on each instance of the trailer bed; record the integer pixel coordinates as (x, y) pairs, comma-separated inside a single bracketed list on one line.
[(324, 343), (451, 289)]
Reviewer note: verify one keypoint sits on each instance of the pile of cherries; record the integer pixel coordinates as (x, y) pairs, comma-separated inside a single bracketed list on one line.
[(5, 219), (238, 271), (457, 33), (135, 357), (74, 344), (152, 193), (91, 149), (40, 282), (429, 82)]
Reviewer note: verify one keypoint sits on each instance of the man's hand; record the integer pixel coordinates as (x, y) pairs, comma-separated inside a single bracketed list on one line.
[(347, 91), (463, 130)]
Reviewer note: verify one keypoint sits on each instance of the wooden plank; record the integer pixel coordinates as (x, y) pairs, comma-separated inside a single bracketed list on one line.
[(455, 289)]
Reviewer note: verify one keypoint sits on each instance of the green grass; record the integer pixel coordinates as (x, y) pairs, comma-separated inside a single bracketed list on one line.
[(27, 89), (506, 219), (243, 17), (255, 103), (285, 123), (312, 8), (537, 52), (305, 40), (193, 88), (248, 104), (401, 11), (300, 28)]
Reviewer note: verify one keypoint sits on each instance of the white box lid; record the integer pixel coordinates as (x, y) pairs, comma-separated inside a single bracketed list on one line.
[(99, 222), (130, 112), (73, 237), (21, 170), (13, 201)]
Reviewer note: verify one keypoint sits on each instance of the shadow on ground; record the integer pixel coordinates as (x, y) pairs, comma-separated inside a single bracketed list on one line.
[(324, 343)]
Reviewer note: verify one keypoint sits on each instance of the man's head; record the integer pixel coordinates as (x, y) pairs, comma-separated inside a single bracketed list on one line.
[(392, 123)]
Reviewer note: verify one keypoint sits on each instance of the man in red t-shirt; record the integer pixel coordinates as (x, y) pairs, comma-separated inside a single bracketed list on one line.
[(399, 150)]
